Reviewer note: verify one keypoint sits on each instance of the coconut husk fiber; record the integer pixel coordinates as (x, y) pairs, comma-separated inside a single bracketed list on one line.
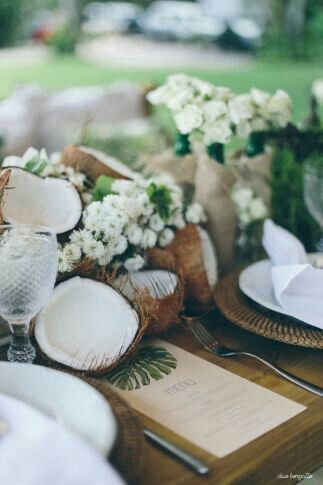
[(185, 251), (253, 172), (4, 178), (213, 183), (91, 165)]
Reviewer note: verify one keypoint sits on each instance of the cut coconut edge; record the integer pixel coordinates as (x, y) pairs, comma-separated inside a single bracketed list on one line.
[(99, 340), (21, 184)]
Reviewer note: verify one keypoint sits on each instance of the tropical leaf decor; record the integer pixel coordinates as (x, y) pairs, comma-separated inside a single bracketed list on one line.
[(149, 363)]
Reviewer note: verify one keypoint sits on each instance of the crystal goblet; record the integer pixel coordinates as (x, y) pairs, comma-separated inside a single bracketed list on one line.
[(28, 268)]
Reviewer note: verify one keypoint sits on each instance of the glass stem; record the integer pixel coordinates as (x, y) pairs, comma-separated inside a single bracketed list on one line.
[(20, 349)]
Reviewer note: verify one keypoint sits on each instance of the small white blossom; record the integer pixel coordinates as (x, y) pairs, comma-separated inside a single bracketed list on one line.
[(156, 223), (317, 90), (166, 237), (135, 263), (194, 213), (249, 207), (189, 118), (149, 239)]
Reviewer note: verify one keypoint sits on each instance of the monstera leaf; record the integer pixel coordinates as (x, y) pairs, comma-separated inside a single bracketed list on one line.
[(150, 362)]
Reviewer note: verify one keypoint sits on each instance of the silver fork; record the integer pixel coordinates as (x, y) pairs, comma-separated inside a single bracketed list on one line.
[(210, 344)]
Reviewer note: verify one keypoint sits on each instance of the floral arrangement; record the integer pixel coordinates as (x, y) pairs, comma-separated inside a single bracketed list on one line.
[(249, 207), (211, 115), (134, 217)]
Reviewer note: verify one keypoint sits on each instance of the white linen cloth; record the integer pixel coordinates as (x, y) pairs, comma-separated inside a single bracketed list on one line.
[(298, 286), (36, 450)]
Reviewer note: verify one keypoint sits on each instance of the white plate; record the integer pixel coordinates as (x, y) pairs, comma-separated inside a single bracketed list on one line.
[(74, 403), (255, 282)]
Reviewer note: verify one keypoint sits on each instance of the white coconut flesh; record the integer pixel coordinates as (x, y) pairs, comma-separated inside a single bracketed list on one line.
[(49, 201), (158, 283), (110, 162), (86, 325), (209, 257)]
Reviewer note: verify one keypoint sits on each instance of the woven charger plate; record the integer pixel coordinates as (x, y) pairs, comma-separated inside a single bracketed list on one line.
[(236, 307), (129, 450)]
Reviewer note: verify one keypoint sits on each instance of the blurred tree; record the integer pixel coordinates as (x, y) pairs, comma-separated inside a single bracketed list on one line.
[(10, 16)]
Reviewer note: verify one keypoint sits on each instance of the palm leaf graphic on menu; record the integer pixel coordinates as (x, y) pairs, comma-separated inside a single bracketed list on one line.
[(149, 363)]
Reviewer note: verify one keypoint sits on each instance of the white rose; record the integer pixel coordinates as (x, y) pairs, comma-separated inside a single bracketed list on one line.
[(259, 97), (244, 129), (216, 132), (177, 220), (161, 95), (205, 89), (241, 108), (188, 119), (179, 101), (134, 234), (213, 110), (317, 90), (280, 108), (135, 263), (166, 237), (156, 223), (149, 239), (223, 94), (258, 210)]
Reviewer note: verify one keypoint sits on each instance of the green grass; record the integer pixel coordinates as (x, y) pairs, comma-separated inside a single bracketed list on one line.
[(62, 72)]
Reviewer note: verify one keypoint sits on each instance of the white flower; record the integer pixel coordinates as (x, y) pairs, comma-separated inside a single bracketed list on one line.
[(77, 179), (135, 263), (244, 128), (160, 95), (242, 197), (188, 119), (258, 124), (156, 223), (259, 97), (177, 220), (149, 239), (216, 132), (194, 213), (223, 93), (212, 110), (134, 233), (241, 108), (280, 108), (73, 252), (258, 210), (179, 101), (166, 237), (317, 90)]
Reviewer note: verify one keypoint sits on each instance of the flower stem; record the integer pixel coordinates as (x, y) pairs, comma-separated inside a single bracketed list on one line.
[(256, 144), (216, 152), (182, 145)]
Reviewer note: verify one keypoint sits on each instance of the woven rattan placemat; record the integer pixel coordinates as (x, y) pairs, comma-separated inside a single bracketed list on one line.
[(238, 309)]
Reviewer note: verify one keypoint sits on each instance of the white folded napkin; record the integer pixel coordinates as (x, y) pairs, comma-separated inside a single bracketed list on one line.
[(298, 286), (36, 450)]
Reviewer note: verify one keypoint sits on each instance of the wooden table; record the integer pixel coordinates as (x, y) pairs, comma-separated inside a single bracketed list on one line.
[(294, 447)]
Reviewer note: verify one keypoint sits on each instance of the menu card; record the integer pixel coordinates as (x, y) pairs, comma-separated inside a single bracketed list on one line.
[(205, 404)]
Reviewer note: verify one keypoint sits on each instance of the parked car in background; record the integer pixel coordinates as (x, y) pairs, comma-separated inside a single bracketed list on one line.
[(99, 17), (177, 20)]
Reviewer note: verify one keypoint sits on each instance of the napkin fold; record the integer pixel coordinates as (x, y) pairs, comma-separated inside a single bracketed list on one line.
[(36, 450), (298, 286)]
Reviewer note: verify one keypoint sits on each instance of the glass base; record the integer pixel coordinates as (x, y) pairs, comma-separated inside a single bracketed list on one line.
[(25, 355)]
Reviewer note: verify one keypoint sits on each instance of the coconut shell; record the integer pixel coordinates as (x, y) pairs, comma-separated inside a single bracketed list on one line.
[(90, 165), (4, 178), (88, 269), (163, 312), (186, 251)]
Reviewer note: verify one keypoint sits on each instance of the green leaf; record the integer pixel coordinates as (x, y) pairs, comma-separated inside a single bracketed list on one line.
[(161, 197), (102, 187), (149, 363), (36, 166)]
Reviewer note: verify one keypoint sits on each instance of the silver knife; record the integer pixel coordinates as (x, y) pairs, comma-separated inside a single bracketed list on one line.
[(189, 460)]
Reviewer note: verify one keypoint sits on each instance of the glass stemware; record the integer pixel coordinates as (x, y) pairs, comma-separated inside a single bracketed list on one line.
[(28, 268), (313, 193)]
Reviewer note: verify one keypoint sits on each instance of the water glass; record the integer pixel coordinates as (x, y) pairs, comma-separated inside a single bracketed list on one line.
[(28, 268), (313, 193)]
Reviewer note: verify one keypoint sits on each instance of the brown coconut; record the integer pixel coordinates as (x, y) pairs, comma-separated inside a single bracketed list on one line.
[(4, 179), (88, 269), (186, 251), (163, 308), (94, 163)]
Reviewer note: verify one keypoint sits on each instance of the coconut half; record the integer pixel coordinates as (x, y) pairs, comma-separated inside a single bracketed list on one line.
[(87, 326), (193, 252), (160, 292), (49, 201), (94, 163)]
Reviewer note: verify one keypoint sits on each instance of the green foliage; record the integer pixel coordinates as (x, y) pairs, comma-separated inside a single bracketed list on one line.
[(150, 362), (160, 196), (10, 11), (102, 187), (64, 40), (288, 206), (36, 165)]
